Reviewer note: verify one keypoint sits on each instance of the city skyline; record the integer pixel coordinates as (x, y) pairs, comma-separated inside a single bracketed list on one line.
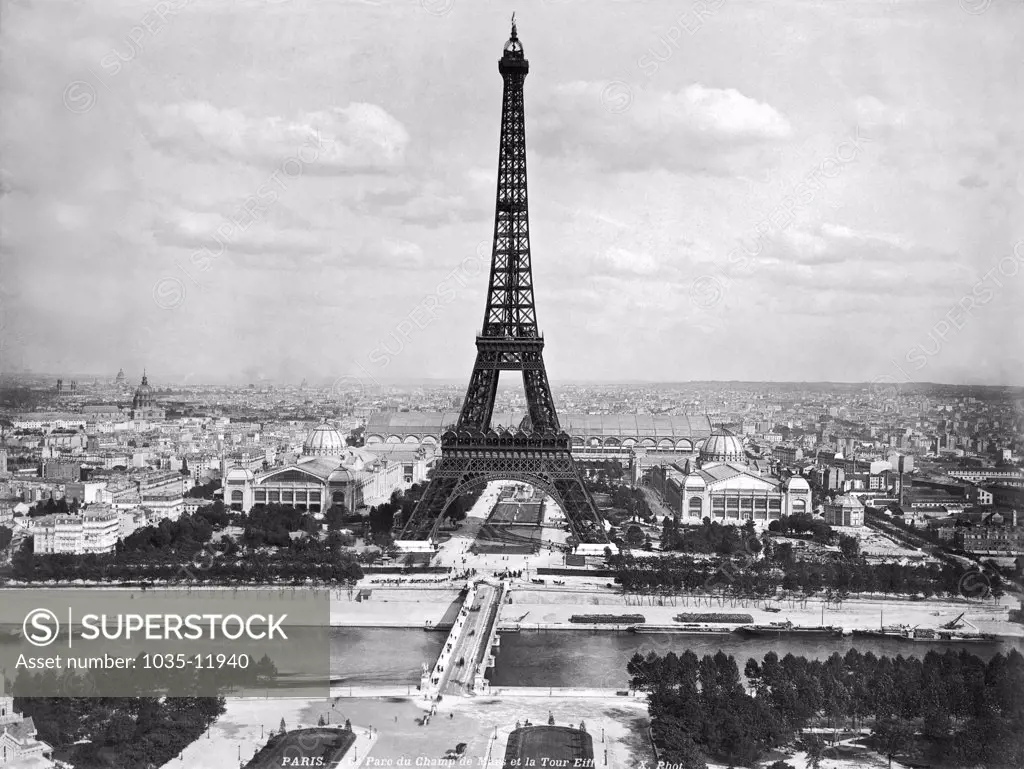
[(662, 154), (882, 386)]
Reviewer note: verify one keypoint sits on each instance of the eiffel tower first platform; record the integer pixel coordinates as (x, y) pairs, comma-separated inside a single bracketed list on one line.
[(538, 452)]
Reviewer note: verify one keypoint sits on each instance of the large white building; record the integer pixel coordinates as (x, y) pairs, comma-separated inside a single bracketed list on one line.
[(327, 473), (92, 531), (19, 747), (164, 505), (723, 486)]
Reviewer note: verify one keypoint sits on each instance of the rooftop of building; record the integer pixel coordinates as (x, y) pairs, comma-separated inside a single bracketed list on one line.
[(582, 425)]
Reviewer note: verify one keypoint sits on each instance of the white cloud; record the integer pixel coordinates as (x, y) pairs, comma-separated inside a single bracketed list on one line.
[(623, 261), (713, 130), (726, 112), (841, 231), (389, 252), (359, 137), (870, 112)]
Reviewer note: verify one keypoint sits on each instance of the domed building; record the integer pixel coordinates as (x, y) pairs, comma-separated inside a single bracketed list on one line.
[(144, 405), (721, 446), (723, 486), (324, 441), (328, 472), (845, 510)]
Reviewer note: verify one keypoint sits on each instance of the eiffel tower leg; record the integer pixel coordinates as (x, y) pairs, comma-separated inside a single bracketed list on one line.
[(426, 516), (480, 395), (584, 521), (538, 394)]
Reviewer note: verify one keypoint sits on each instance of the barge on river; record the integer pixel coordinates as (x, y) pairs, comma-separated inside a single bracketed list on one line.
[(781, 629)]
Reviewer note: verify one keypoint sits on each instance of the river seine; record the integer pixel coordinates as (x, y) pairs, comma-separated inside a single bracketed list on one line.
[(585, 658)]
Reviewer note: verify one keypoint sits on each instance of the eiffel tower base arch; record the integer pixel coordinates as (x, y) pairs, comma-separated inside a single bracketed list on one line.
[(556, 474)]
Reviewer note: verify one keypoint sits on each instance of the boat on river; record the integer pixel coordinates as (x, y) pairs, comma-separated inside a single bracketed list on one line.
[(931, 635), (889, 631), (781, 629), (686, 628)]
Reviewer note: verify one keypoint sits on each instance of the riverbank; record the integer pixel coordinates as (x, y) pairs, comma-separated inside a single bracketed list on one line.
[(544, 608), (397, 607), (552, 609)]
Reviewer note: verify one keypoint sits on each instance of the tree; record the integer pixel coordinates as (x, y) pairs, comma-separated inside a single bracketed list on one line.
[(382, 517), (23, 561), (283, 728), (815, 751), (634, 536), (184, 466), (892, 735), (849, 546), (266, 670), (120, 729)]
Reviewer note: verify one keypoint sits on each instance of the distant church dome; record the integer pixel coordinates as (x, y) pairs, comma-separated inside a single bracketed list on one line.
[(323, 441), (144, 398), (722, 446)]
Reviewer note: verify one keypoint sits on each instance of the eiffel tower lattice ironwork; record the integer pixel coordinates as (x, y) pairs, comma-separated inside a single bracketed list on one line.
[(537, 452)]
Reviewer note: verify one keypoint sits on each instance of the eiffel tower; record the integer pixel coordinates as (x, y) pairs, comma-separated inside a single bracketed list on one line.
[(538, 452)]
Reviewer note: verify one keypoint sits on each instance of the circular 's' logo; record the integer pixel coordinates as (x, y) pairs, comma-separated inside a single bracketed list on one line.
[(40, 627)]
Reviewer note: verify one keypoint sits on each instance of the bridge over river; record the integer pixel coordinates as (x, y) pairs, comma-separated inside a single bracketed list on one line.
[(468, 651)]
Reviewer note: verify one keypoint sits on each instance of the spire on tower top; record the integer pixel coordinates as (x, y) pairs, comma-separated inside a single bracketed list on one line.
[(513, 46)]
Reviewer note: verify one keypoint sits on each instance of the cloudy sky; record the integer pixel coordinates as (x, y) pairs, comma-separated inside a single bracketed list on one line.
[(728, 189)]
